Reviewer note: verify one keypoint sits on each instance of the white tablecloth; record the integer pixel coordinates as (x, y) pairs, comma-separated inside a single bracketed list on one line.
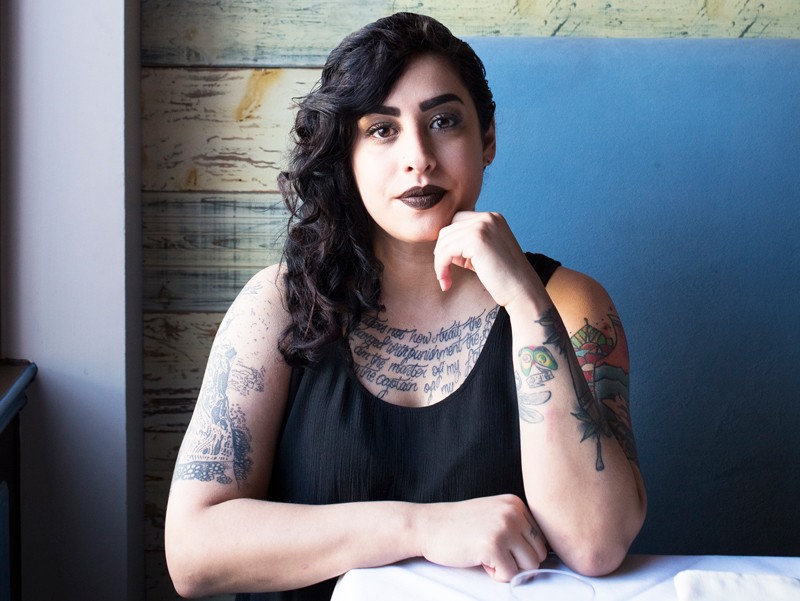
[(640, 578)]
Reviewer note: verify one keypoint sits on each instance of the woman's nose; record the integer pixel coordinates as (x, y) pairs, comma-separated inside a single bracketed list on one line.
[(418, 156)]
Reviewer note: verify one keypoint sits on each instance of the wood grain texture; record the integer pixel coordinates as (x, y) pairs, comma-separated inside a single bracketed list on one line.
[(218, 129), (200, 249), (249, 32), (294, 33), (176, 347)]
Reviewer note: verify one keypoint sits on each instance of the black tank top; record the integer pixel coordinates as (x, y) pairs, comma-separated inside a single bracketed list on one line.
[(339, 443)]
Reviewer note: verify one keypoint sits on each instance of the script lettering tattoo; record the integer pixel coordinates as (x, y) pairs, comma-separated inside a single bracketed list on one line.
[(410, 360), (219, 439)]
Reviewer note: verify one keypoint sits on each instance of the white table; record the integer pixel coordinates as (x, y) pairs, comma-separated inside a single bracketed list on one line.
[(640, 578)]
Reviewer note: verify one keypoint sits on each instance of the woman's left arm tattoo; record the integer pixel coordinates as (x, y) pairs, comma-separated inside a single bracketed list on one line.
[(599, 381), (602, 358)]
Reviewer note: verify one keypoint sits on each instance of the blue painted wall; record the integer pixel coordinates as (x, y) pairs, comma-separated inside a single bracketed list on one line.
[(669, 170)]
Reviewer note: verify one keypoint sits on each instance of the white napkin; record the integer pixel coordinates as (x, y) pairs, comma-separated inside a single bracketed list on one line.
[(702, 585)]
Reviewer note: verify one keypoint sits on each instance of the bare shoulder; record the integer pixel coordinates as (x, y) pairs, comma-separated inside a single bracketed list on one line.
[(263, 293), (588, 312), (257, 315), (574, 292)]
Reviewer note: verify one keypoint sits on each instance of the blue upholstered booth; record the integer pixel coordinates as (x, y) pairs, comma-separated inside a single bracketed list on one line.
[(669, 170)]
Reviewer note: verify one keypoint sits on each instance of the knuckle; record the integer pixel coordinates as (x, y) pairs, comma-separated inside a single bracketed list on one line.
[(496, 218), (504, 573)]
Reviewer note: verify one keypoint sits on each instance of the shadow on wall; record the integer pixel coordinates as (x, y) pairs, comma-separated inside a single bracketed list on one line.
[(669, 170)]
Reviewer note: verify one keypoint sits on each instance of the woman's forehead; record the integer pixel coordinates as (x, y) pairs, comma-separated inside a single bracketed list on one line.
[(426, 77)]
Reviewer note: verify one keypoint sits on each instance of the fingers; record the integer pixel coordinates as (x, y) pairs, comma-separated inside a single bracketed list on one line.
[(524, 549), (512, 560), (498, 533), (455, 245), (449, 251), (508, 566), (483, 243), (537, 542), (535, 537), (444, 277)]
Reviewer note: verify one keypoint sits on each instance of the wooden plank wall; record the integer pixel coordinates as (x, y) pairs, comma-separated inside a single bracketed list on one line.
[(218, 85)]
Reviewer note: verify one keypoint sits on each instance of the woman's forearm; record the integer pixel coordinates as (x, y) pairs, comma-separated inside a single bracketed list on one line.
[(246, 545), (589, 518), (581, 487)]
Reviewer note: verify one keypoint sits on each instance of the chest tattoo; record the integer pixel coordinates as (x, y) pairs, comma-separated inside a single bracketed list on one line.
[(393, 362)]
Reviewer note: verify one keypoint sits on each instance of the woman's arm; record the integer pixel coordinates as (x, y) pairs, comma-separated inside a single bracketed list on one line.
[(579, 465), (221, 537), (579, 458)]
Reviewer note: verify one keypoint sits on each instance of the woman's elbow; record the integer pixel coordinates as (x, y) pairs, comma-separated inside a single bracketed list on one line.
[(604, 552), (597, 559), (185, 574), (187, 587), (185, 563)]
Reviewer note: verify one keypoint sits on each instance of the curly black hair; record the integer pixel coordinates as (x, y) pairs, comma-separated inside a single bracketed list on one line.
[(332, 276)]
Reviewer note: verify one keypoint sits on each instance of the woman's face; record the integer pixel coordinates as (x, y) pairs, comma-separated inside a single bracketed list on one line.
[(420, 157)]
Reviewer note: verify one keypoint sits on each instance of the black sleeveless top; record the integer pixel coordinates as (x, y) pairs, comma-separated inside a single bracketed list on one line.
[(339, 443)]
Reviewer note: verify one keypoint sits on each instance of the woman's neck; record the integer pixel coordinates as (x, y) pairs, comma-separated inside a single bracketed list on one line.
[(409, 284), (408, 269)]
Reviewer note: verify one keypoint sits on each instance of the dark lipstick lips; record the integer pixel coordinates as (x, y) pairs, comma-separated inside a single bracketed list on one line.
[(422, 198)]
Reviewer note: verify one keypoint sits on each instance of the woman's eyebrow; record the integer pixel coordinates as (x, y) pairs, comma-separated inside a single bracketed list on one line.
[(437, 100), (425, 105), (387, 110)]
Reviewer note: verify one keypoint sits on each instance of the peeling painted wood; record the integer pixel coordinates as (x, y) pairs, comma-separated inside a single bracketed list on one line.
[(160, 452), (193, 288), (176, 348), (223, 130), (200, 249), (193, 229), (256, 33), (249, 32)]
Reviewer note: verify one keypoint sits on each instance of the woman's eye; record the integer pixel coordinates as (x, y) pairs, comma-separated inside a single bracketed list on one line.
[(380, 131), (444, 121)]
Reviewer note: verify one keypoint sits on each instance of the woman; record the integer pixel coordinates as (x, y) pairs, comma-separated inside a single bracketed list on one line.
[(406, 383)]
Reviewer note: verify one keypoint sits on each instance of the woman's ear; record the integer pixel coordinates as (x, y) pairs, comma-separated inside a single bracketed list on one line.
[(489, 145)]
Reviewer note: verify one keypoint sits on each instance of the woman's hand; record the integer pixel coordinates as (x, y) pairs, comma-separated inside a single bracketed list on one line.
[(498, 533), (483, 243)]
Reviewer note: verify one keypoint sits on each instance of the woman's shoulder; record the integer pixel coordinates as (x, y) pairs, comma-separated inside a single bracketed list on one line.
[(259, 306), (265, 287), (574, 281), (272, 275), (578, 296)]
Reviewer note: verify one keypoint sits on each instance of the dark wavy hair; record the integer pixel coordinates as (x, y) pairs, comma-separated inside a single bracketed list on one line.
[(332, 276)]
